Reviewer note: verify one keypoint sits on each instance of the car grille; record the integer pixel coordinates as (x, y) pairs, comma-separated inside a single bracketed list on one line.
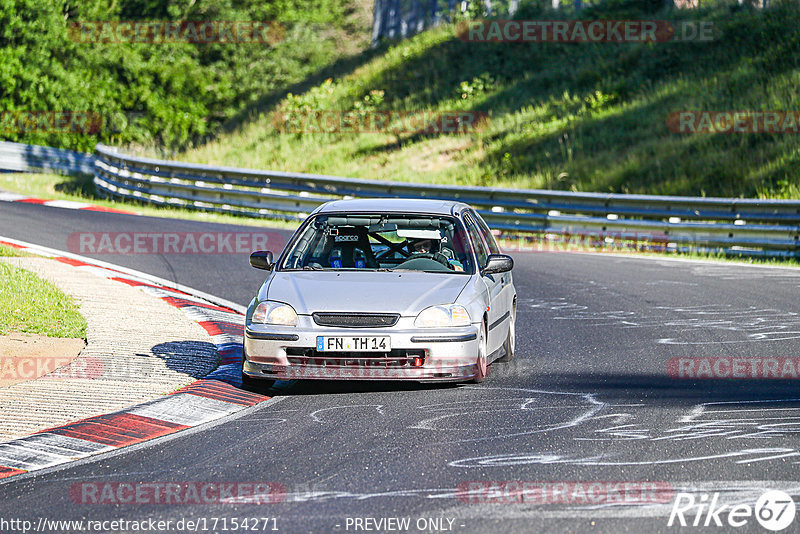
[(314, 358), (356, 320)]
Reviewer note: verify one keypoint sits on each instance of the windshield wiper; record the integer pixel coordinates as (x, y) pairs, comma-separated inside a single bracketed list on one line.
[(313, 268)]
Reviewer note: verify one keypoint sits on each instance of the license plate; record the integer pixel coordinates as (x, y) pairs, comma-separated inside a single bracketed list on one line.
[(353, 344)]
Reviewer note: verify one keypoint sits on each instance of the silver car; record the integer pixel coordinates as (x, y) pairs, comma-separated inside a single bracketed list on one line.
[(384, 289)]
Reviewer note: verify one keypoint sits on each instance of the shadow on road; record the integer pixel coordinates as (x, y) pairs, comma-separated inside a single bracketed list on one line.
[(334, 387), (667, 390)]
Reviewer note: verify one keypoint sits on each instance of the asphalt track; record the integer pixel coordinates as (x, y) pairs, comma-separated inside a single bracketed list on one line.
[(588, 399)]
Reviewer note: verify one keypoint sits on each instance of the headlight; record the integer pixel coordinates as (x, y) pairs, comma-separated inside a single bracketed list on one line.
[(268, 312), (442, 316)]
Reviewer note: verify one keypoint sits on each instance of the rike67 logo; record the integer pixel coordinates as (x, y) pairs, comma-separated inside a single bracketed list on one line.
[(774, 511)]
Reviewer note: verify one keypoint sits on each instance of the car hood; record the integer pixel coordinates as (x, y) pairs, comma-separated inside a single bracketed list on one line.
[(405, 293)]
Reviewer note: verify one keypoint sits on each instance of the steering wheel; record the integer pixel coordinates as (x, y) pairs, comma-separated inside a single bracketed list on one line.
[(436, 256)]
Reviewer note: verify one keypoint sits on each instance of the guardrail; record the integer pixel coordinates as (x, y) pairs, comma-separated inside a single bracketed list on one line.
[(33, 158), (733, 225), (742, 226)]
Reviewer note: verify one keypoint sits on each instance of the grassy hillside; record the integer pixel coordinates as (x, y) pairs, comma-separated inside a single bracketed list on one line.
[(163, 94), (588, 117)]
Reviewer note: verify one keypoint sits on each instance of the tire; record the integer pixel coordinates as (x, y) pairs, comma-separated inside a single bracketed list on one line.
[(256, 385), (482, 364), (510, 345)]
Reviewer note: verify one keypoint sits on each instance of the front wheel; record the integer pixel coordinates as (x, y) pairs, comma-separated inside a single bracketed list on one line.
[(482, 365), (255, 385), (510, 345)]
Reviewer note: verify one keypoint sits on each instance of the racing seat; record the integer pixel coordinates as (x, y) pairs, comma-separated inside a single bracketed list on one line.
[(351, 249)]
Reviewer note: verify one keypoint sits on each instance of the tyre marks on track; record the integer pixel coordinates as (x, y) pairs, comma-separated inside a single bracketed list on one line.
[(742, 325)]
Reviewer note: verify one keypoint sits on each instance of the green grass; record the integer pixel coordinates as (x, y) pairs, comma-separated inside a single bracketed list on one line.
[(32, 305), (168, 93), (12, 252), (581, 117)]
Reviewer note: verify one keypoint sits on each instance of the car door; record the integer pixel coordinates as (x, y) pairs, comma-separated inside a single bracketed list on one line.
[(506, 281), (494, 332)]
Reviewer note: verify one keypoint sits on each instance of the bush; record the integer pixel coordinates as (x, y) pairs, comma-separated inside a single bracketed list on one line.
[(168, 94)]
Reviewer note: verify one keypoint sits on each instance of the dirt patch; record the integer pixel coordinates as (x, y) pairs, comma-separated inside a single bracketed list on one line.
[(26, 357), (437, 157)]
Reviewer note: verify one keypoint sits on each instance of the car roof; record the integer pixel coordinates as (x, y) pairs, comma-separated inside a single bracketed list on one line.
[(394, 205)]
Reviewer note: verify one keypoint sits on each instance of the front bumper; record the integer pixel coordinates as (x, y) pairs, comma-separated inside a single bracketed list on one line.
[(289, 353)]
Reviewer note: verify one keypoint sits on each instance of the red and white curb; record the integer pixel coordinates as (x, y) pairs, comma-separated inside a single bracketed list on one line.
[(210, 398), (68, 204)]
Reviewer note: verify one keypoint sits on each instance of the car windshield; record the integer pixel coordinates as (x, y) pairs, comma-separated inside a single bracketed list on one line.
[(364, 242)]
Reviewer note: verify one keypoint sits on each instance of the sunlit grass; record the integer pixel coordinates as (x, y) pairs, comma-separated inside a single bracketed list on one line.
[(33, 305), (589, 117), (12, 252)]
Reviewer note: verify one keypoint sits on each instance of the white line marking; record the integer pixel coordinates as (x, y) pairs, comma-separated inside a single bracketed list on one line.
[(68, 204), (185, 409), (315, 417), (44, 450)]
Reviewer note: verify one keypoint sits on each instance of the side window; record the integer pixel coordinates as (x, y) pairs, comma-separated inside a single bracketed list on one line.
[(490, 240), (477, 240)]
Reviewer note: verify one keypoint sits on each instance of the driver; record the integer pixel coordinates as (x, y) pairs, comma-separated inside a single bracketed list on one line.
[(426, 246), (423, 247)]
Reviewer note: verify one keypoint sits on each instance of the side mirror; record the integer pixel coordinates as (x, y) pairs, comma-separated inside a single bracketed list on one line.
[(262, 259), (498, 263)]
